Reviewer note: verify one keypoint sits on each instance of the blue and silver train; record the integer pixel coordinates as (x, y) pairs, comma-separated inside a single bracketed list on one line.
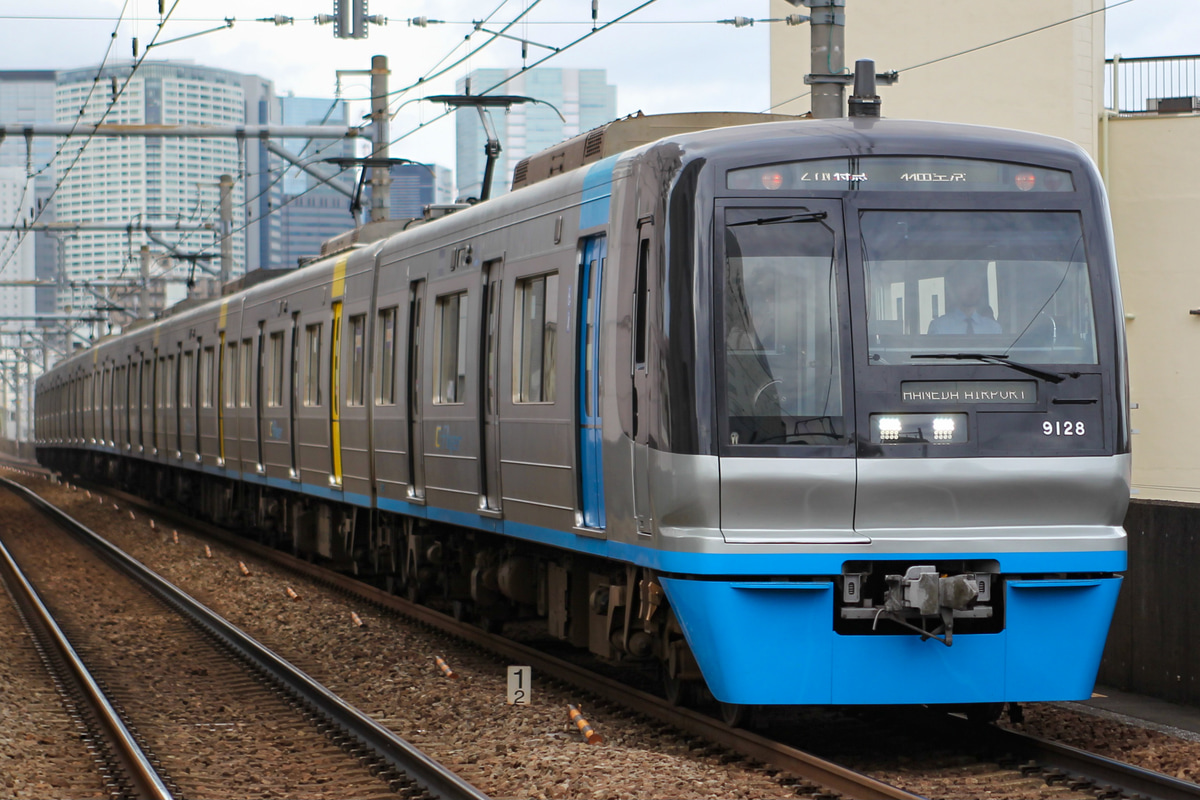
[(807, 412)]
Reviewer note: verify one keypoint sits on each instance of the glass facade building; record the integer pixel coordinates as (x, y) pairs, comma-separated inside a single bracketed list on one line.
[(583, 96)]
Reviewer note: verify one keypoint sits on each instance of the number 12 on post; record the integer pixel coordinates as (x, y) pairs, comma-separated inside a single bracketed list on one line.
[(520, 687)]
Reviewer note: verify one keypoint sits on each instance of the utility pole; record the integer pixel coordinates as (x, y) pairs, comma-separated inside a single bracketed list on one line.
[(381, 177), (144, 292), (828, 52), (226, 228)]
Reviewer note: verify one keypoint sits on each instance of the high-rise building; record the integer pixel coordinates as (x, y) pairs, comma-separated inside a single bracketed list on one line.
[(160, 179), (315, 111), (16, 202), (415, 186), (583, 97), (27, 96)]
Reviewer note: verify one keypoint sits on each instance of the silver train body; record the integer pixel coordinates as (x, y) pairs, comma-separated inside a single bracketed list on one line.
[(807, 412)]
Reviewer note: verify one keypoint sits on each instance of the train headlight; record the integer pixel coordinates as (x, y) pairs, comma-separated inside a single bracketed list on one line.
[(919, 428)]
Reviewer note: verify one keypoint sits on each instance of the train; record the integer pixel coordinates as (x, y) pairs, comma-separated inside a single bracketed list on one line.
[(795, 411)]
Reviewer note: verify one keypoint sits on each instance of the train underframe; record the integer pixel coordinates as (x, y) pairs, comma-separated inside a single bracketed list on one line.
[(788, 641), (619, 612)]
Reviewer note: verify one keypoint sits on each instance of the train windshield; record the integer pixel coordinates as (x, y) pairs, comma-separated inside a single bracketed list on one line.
[(782, 349), (1010, 283)]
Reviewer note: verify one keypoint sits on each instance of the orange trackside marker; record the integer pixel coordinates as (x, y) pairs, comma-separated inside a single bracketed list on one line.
[(151, 524), (444, 667), (292, 594), (207, 551), (89, 493), (131, 515), (584, 728), (116, 507), (357, 620), (244, 568), (175, 536)]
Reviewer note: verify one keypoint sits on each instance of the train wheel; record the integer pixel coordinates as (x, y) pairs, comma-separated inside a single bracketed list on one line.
[(681, 692), (984, 712), (735, 715)]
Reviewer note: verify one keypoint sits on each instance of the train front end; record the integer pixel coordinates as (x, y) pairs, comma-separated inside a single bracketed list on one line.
[(919, 410)]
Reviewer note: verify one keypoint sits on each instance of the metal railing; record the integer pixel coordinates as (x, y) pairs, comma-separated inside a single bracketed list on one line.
[(1157, 85)]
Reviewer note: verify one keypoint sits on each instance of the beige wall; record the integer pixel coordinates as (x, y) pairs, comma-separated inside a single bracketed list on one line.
[(1048, 82), (1154, 190)]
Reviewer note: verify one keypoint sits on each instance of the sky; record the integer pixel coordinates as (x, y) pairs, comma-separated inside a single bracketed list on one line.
[(669, 56)]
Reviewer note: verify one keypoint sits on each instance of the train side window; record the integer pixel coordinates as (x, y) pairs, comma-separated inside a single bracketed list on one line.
[(312, 365), (535, 339), (230, 378), (275, 371), (185, 380), (386, 368), (358, 354), (207, 384), (450, 349), (247, 382)]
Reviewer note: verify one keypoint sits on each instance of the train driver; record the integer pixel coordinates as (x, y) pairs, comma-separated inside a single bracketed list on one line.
[(967, 309)]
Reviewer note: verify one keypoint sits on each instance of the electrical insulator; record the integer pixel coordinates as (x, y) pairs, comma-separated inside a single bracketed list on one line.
[(737, 22), (796, 19)]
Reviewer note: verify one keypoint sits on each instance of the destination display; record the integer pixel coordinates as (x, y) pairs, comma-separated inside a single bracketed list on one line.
[(978, 392), (901, 173)]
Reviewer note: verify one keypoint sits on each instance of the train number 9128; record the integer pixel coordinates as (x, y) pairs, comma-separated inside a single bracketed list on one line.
[(1062, 428)]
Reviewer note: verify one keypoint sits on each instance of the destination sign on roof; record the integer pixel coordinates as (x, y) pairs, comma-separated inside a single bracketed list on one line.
[(900, 174)]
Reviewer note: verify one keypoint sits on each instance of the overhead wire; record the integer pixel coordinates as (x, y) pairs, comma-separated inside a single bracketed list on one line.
[(497, 85), (92, 134), (32, 177)]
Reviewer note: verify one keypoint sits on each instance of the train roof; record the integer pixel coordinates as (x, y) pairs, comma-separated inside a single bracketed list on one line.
[(812, 139)]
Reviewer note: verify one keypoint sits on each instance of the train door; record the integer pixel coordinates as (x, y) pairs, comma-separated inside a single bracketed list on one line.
[(221, 398), (489, 389), (335, 395), (294, 393), (260, 378), (177, 391), (416, 436), (591, 474), (641, 401)]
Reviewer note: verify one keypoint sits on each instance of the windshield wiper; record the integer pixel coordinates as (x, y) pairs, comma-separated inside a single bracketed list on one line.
[(1003, 360), (813, 216)]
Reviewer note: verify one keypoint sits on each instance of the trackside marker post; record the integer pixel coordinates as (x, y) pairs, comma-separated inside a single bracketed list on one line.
[(520, 686), (444, 667), (584, 728)]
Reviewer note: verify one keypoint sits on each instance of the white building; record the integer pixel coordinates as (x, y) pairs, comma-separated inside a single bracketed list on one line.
[(122, 180), (16, 252)]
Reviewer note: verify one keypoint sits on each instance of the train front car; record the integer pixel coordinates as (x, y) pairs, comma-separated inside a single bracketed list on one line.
[(917, 403)]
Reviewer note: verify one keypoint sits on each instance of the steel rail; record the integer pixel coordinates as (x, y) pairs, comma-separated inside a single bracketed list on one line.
[(805, 765), (144, 779), (436, 780), (1073, 764)]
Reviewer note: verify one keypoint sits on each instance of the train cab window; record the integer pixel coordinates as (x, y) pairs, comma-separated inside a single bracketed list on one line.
[(1011, 283), (274, 371), (312, 365), (246, 383), (450, 349), (535, 339), (185, 380), (386, 368), (358, 354), (207, 375), (783, 360)]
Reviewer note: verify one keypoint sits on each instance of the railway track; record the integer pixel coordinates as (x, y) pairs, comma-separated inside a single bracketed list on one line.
[(216, 728), (1088, 775), (126, 770)]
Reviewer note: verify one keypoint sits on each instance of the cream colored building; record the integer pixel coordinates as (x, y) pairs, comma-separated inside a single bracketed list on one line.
[(1052, 81)]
